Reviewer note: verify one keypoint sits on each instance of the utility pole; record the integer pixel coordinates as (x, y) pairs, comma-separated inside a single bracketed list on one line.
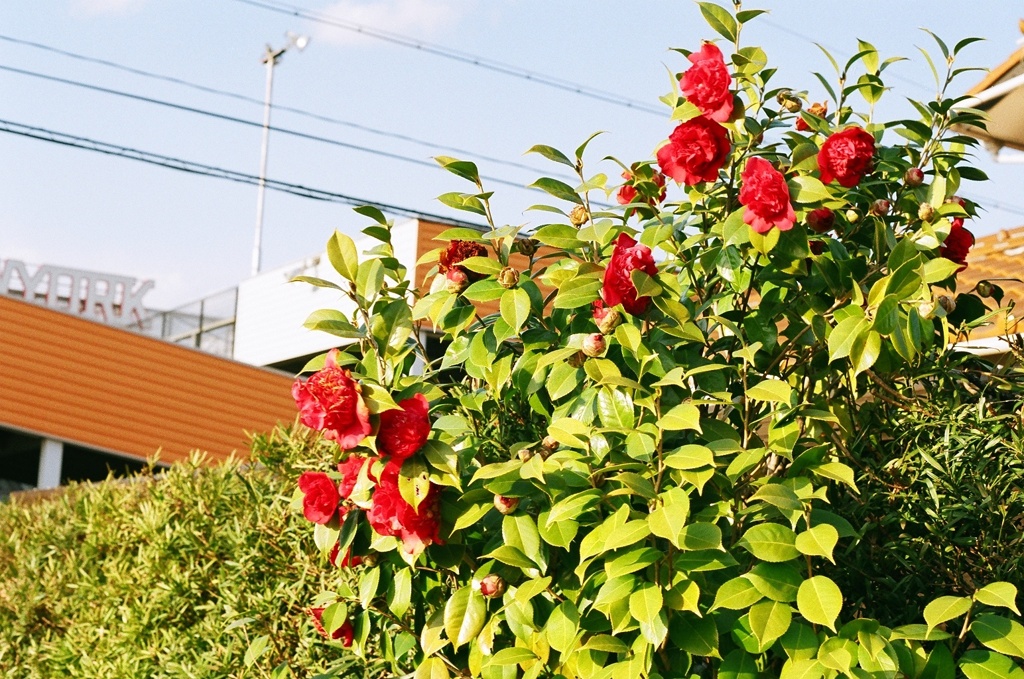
[(270, 58)]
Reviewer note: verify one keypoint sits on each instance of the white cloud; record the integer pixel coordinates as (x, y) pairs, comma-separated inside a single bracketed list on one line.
[(106, 6), (414, 18)]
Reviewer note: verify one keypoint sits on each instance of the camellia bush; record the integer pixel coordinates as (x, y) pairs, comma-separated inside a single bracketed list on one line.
[(625, 469)]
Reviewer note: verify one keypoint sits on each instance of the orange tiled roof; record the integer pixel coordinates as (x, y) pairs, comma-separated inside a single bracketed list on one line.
[(998, 257)]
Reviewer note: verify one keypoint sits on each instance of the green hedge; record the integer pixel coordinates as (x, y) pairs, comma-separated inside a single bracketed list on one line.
[(165, 577)]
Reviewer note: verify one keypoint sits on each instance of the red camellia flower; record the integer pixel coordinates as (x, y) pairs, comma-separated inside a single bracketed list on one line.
[(457, 251), (695, 152), (766, 197), (349, 470), (821, 220), (403, 432), (330, 401), (347, 561), (392, 515), (957, 244), (320, 497), (846, 156), (343, 633), (820, 110), (618, 288), (707, 83), (627, 192)]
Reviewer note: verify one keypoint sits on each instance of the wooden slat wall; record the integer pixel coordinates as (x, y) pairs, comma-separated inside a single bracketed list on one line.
[(101, 387)]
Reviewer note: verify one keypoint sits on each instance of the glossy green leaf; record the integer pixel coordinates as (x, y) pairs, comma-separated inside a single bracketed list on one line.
[(820, 601), (464, 616)]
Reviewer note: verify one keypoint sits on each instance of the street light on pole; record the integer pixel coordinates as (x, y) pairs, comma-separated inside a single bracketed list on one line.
[(270, 57)]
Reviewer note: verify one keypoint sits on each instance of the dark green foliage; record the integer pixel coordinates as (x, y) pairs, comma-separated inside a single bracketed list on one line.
[(164, 577), (941, 502)]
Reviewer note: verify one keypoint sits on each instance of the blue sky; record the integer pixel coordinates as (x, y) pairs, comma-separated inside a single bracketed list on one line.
[(193, 235)]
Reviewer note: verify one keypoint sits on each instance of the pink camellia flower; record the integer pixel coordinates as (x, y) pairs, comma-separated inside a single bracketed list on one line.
[(320, 497), (766, 197), (846, 157), (958, 244), (618, 288), (695, 152), (331, 401), (392, 515), (707, 83), (403, 432), (344, 633)]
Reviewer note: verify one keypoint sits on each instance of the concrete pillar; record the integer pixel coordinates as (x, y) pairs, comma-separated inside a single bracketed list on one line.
[(51, 457)]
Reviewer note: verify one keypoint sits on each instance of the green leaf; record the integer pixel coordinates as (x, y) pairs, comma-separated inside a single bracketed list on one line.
[(1002, 594), (769, 620), (845, 335), (615, 408), (1002, 635), (464, 616), (512, 656), (739, 665), (945, 608), (463, 201), (806, 189), (775, 391), (820, 601), (700, 536), (669, 518), (939, 269), (400, 592), (551, 153), (987, 665), (777, 581), (558, 189), (682, 416), (368, 584), (515, 308), (562, 626), (341, 252), (770, 542), (257, 648), (460, 168), (736, 595), (719, 19), (818, 541), (518, 530), (779, 496), (432, 668), (696, 636), (577, 292), (691, 456), (646, 602), (805, 668)]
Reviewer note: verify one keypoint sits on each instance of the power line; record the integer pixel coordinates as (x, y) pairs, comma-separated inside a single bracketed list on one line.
[(243, 121), (252, 100), (190, 167), (455, 55)]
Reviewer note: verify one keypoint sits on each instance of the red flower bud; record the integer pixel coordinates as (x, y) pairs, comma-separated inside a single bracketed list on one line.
[(880, 207), (457, 281), (594, 345), (913, 177), (821, 220), (493, 586), (505, 505)]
